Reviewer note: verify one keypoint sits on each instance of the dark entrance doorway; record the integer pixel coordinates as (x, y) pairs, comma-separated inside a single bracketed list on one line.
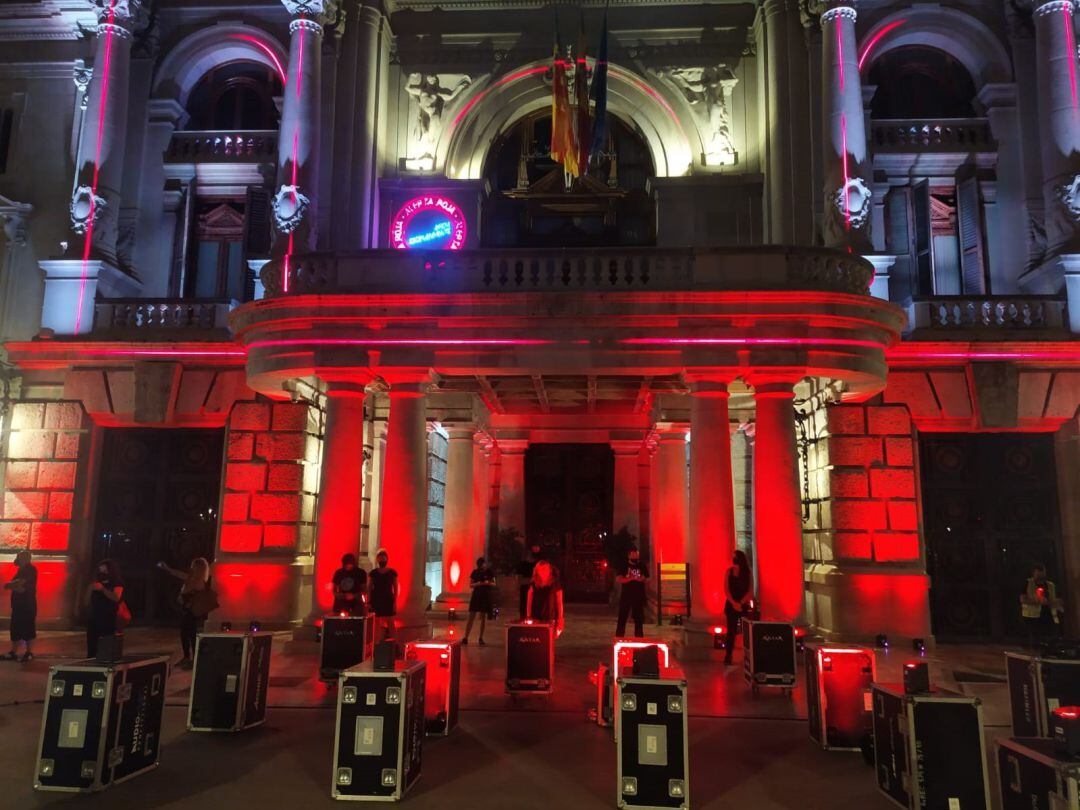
[(568, 503), (990, 510), (158, 500)]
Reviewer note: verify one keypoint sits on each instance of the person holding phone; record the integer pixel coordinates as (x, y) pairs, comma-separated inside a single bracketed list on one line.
[(105, 594)]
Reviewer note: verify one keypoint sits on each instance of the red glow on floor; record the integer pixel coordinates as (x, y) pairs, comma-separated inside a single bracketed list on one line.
[(262, 46), (874, 40)]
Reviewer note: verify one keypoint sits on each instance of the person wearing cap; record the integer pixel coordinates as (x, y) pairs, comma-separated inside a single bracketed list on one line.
[(383, 594)]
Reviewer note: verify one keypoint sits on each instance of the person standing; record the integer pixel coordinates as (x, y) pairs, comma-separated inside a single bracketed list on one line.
[(23, 587), (196, 602), (738, 590), (545, 599), (383, 586), (632, 596), (105, 594), (482, 598), (1040, 606), (524, 572), (350, 582)]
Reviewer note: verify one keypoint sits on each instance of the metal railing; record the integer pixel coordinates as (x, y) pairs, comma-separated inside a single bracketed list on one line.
[(988, 312), (146, 314), (941, 135), (223, 146)]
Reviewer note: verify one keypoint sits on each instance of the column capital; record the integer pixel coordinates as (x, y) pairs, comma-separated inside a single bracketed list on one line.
[(671, 431), (707, 387), (406, 380), (312, 11), (831, 10), (119, 17), (346, 389), (774, 389), (460, 431), (626, 447), (509, 447), (1042, 7)]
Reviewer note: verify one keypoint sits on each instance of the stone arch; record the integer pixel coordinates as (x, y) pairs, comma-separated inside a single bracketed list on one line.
[(195, 55), (947, 29), (475, 120)]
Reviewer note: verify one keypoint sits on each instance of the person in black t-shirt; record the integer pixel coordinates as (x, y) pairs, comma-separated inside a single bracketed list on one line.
[(524, 571), (23, 587), (105, 594), (545, 599), (482, 599), (632, 598), (383, 590), (738, 587), (350, 582)]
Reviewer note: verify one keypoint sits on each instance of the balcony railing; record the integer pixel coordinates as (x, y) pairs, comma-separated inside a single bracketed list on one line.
[(223, 146), (940, 135), (599, 270), (144, 315), (1017, 313)]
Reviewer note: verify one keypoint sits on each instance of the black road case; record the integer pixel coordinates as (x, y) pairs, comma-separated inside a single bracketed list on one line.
[(229, 683), (443, 681), (928, 749), (769, 654), (101, 723), (652, 749), (1031, 777), (838, 681), (380, 731), (1037, 686), (530, 658), (344, 642), (602, 679)]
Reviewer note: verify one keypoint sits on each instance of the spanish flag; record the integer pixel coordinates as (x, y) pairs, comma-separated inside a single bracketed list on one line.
[(563, 145)]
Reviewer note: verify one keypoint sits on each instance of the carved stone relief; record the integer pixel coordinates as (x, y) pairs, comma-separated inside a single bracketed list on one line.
[(429, 95), (708, 90)]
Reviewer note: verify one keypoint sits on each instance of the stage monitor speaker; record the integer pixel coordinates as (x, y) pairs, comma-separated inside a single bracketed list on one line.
[(647, 662), (385, 653)]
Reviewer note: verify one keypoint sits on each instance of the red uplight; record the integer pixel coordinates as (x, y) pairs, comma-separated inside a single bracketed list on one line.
[(1067, 712), (718, 630)]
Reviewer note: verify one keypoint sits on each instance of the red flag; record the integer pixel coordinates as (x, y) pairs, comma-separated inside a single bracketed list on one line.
[(563, 147)]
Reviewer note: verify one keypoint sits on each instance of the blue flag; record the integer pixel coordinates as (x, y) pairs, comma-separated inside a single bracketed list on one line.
[(598, 93)]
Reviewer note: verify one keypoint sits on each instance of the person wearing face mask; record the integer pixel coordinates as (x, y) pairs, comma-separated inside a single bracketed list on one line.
[(632, 599), (738, 588), (383, 586), (105, 594), (1040, 606), (350, 582)]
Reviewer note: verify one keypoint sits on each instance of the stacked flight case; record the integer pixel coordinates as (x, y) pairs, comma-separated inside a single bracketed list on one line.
[(230, 681), (344, 642), (838, 681), (380, 731), (929, 750), (1032, 777), (769, 654), (443, 681), (101, 723), (530, 658), (652, 748), (1037, 686)]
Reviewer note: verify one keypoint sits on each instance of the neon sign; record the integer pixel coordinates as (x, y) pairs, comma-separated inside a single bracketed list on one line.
[(431, 222)]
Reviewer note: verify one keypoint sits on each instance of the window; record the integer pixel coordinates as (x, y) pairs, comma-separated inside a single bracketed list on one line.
[(921, 83), (220, 271), (238, 95)]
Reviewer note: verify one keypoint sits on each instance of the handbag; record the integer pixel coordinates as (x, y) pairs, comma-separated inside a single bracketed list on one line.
[(123, 615), (204, 602)]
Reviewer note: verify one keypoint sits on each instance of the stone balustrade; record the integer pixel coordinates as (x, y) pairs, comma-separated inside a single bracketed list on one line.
[(615, 270), (1012, 313), (940, 135), (132, 316), (223, 146)]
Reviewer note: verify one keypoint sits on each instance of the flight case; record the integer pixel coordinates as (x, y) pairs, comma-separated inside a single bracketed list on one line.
[(768, 654), (652, 749), (838, 681), (443, 681), (1031, 777), (530, 658), (928, 749), (102, 723), (230, 681), (380, 731), (344, 642), (1037, 686)]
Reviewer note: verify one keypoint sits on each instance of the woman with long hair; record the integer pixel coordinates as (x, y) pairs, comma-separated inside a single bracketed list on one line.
[(105, 594), (545, 599), (739, 590), (193, 605)]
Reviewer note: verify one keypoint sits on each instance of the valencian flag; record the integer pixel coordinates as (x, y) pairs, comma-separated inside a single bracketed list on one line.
[(563, 146), (583, 122), (598, 93)]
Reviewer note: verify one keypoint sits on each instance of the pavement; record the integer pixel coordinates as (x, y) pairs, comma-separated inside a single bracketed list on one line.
[(746, 751)]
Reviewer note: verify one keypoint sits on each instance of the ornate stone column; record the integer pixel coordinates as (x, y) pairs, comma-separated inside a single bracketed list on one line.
[(711, 539), (378, 465), (846, 165), (777, 515), (670, 505), (344, 98), (626, 508), (458, 535), (371, 58), (403, 529), (341, 485), (295, 201), (512, 484)]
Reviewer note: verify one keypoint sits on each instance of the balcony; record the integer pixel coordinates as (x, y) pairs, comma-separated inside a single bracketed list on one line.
[(940, 135), (161, 319), (222, 146), (999, 317), (572, 271)]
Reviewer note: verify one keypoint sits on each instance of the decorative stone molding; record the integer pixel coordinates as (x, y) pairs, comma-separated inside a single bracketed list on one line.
[(86, 209), (429, 94), (1041, 7), (119, 17), (852, 200), (838, 12), (81, 75), (13, 217), (708, 91), (290, 206), (311, 26), (1068, 194), (318, 10)]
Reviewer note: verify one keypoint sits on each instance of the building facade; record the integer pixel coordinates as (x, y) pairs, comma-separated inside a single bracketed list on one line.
[(285, 280)]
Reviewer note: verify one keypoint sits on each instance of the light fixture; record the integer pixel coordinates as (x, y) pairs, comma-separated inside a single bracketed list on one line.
[(882, 641), (718, 637), (918, 645), (451, 614), (254, 626), (226, 627)]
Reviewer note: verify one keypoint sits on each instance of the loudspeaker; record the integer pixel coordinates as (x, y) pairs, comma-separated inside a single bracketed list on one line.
[(385, 653), (916, 678), (647, 662), (1065, 724), (110, 648)]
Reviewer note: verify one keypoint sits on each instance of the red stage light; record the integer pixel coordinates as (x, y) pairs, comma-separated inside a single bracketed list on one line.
[(718, 630), (1068, 712), (624, 653)]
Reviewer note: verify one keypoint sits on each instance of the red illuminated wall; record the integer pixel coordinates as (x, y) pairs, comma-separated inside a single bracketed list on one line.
[(39, 495)]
